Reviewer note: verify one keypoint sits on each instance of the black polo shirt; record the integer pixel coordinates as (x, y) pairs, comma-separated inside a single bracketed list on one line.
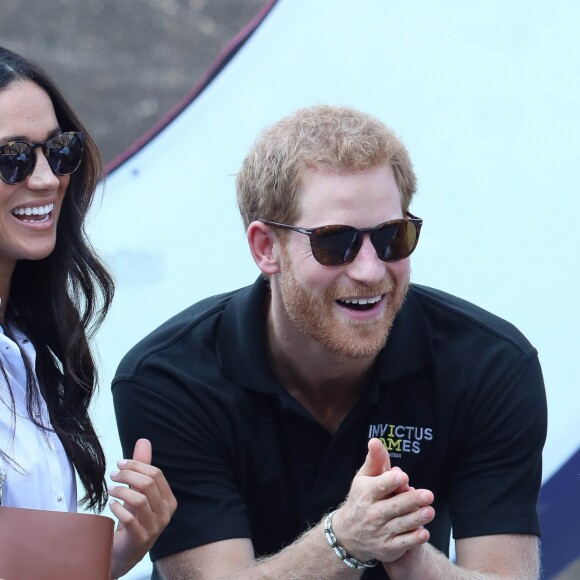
[(457, 397)]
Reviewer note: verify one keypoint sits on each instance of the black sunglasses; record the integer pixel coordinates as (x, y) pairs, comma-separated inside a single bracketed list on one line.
[(338, 245), (63, 152)]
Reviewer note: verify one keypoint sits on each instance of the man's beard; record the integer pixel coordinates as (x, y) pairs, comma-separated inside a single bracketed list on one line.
[(315, 315)]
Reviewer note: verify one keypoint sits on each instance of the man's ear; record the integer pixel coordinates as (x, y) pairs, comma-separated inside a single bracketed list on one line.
[(264, 246)]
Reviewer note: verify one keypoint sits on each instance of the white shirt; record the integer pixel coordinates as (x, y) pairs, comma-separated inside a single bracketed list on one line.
[(42, 476)]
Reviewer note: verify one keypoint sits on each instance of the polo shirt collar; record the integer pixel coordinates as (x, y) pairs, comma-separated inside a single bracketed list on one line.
[(241, 341), (408, 348)]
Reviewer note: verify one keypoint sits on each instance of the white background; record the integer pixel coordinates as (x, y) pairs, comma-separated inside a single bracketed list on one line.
[(486, 97)]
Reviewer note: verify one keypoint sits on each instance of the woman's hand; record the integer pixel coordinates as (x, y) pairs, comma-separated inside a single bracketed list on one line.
[(147, 506)]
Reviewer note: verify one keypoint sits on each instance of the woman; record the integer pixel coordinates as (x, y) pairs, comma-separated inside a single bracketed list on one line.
[(54, 293)]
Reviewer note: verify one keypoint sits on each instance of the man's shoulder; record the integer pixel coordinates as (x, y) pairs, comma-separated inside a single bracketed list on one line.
[(192, 325), (451, 315)]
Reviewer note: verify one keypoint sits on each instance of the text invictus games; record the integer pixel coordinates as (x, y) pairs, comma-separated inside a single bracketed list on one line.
[(399, 439)]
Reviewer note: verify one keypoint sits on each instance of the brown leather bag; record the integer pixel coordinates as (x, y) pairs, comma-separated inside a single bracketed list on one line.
[(47, 545)]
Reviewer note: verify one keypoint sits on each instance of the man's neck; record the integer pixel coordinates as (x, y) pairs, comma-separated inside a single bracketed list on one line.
[(327, 385)]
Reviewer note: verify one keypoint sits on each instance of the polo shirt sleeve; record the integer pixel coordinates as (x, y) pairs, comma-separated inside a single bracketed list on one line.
[(498, 474), (190, 446)]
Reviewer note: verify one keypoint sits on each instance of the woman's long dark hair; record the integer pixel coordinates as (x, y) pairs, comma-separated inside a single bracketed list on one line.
[(61, 300)]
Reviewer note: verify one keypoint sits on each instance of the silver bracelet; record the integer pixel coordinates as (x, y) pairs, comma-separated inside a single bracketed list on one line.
[(339, 550)]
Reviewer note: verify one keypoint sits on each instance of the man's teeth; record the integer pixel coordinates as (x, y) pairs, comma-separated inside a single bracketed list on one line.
[(363, 301), (39, 210)]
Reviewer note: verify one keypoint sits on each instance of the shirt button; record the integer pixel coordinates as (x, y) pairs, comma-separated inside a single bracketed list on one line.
[(59, 498)]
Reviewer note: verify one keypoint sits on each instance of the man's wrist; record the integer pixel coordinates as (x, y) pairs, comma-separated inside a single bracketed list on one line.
[(418, 563), (348, 559)]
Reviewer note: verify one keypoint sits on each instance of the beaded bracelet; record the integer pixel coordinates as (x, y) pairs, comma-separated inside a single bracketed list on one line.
[(339, 550)]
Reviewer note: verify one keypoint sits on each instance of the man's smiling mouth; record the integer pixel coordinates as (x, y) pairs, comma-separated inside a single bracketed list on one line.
[(360, 303)]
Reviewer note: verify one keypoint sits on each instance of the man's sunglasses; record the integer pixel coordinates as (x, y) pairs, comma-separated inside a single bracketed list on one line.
[(63, 152), (338, 245)]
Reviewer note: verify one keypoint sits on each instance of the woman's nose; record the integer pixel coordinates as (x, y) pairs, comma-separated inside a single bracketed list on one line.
[(42, 176)]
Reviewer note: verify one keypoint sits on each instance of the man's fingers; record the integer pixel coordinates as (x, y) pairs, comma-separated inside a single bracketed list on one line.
[(412, 520), (409, 502), (406, 541), (143, 451)]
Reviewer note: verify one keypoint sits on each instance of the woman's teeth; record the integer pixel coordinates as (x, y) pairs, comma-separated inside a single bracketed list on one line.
[(38, 210), (41, 213)]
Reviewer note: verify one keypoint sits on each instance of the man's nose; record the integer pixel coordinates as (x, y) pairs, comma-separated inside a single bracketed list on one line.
[(367, 267)]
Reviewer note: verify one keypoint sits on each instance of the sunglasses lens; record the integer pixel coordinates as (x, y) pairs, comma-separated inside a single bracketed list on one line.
[(395, 241), (16, 162), (335, 245), (65, 152)]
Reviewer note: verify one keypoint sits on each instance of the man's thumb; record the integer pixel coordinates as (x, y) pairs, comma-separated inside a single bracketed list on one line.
[(377, 460)]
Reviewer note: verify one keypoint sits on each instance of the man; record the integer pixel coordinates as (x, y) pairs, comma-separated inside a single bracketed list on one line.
[(277, 411)]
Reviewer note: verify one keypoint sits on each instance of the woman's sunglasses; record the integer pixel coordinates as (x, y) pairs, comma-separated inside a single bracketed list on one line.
[(338, 245), (63, 152)]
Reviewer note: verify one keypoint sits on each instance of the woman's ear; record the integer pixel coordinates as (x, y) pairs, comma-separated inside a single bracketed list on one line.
[(263, 245)]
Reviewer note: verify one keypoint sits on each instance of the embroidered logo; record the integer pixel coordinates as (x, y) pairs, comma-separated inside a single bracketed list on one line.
[(400, 439)]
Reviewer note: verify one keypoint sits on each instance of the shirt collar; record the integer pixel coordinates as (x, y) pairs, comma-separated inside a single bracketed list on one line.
[(408, 347), (242, 341)]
